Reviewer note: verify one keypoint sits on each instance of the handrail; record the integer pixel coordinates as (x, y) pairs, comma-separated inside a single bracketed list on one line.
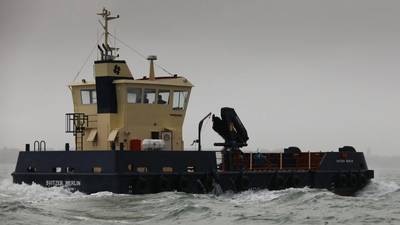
[(44, 145), (41, 145), (34, 146), (252, 161)]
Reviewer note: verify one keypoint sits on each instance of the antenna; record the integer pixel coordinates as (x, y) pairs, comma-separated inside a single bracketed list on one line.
[(106, 14), (115, 41)]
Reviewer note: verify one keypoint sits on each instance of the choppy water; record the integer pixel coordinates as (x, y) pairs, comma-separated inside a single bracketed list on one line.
[(378, 203)]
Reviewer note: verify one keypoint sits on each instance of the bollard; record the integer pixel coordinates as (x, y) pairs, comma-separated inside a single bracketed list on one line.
[(67, 147)]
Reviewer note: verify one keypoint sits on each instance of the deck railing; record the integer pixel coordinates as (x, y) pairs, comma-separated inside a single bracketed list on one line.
[(275, 161)]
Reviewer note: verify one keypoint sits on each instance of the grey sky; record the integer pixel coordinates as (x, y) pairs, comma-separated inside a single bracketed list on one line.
[(315, 74)]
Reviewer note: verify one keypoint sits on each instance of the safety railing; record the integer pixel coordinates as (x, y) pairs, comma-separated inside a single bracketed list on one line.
[(276, 161)]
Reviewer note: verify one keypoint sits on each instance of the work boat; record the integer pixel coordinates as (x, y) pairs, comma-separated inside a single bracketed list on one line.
[(128, 139)]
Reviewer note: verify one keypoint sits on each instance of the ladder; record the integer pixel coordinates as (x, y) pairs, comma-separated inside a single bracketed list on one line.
[(76, 123)]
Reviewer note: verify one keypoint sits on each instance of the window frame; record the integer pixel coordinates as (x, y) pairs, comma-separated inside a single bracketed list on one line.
[(141, 95), (163, 91), (184, 100), (92, 96), (145, 95)]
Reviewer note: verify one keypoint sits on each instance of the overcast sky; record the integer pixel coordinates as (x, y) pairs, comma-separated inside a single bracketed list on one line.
[(314, 74)]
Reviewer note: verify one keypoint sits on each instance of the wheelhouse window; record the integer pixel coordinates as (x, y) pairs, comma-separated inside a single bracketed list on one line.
[(149, 96), (179, 100), (163, 97), (134, 95), (88, 96)]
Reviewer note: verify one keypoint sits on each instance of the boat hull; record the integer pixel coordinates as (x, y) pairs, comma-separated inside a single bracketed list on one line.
[(341, 183), (186, 171)]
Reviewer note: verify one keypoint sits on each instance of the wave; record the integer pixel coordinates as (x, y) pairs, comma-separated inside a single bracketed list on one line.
[(291, 206), (35, 193), (379, 188), (278, 196)]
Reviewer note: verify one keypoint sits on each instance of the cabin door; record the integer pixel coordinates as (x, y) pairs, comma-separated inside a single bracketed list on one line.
[(167, 137)]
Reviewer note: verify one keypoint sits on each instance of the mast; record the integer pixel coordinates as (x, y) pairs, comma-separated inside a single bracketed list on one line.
[(106, 14), (151, 58)]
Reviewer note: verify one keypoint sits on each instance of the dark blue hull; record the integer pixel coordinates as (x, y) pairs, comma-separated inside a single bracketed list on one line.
[(200, 182), (191, 172)]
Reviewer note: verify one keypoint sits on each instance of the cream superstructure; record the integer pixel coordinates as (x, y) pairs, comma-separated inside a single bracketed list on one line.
[(124, 109)]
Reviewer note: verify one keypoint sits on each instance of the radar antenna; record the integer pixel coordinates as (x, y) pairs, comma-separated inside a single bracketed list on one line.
[(109, 53)]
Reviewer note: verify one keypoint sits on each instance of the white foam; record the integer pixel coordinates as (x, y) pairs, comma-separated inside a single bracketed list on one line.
[(251, 196), (378, 188), (35, 192), (101, 194)]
